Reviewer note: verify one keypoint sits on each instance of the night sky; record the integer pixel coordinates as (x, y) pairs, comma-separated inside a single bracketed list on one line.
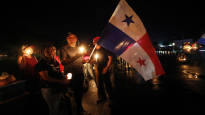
[(38, 21)]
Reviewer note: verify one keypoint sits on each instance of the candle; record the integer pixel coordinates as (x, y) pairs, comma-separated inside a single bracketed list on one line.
[(82, 49), (28, 51), (96, 57), (69, 76)]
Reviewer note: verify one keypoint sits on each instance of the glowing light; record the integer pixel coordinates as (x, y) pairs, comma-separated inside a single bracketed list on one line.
[(81, 49), (202, 50), (187, 48), (28, 51), (69, 76), (96, 57), (194, 46), (182, 58)]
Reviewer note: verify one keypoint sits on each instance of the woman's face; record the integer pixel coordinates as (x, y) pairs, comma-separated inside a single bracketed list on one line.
[(72, 39), (52, 51)]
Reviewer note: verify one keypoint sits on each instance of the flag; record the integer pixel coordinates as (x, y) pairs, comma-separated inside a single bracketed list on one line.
[(126, 36), (202, 40)]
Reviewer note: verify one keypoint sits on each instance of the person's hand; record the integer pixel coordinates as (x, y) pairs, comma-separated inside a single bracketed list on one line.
[(86, 59), (66, 81), (105, 70), (79, 54)]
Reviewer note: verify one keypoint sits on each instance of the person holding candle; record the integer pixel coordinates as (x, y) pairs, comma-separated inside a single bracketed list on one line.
[(27, 62), (54, 82), (72, 59), (103, 63)]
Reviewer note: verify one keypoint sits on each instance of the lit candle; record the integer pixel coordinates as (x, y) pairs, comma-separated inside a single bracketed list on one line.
[(69, 76), (28, 51), (82, 49), (96, 57)]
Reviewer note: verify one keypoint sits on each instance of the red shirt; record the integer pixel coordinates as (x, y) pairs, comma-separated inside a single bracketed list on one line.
[(29, 67)]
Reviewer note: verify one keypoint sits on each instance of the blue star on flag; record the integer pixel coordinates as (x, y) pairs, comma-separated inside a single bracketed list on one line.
[(128, 20)]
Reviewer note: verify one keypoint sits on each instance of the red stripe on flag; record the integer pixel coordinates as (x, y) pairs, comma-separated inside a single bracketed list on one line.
[(146, 44)]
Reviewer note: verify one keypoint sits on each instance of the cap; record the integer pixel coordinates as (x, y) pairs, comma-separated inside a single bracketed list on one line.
[(95, 39)]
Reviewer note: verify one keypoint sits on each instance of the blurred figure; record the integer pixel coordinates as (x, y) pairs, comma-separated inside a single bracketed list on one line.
[(54, 82), (72, 60), (103, 63), (27, 62), (6, 78), (88, 69)]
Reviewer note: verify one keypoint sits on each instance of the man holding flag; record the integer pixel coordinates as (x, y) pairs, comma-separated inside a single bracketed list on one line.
[(126, 36), (103, 68)]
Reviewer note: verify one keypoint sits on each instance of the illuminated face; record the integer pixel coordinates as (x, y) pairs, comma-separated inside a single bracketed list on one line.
[(98, 47), (52, 51), (94, 43), (72, 39)]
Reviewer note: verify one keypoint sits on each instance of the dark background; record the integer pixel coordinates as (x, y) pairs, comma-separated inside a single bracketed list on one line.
[(42, 21)]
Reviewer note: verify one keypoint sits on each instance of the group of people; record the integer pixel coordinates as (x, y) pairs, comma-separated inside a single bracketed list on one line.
[(49, 74)]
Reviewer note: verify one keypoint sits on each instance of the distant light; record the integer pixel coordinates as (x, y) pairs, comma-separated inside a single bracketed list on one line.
[(202, 50), (160, 45)]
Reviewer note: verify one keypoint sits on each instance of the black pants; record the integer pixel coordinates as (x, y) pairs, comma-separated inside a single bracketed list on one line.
[(104, 85), (77, 87)]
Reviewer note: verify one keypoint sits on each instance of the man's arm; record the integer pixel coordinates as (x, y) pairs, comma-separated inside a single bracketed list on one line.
[(44, 76), (108, 65)]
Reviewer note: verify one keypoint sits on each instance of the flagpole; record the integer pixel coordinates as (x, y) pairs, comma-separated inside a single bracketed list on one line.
[(92, 51)]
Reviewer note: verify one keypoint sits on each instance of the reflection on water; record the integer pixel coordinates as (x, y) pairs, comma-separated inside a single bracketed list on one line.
[(190, 72), (156, 83)]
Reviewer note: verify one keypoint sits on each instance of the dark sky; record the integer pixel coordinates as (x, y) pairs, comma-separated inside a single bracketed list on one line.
[(39, 21)]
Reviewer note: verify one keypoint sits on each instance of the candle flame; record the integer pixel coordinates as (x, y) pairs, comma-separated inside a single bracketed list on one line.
[(28, 51), (96, 56), (69, 76), (82, 49)]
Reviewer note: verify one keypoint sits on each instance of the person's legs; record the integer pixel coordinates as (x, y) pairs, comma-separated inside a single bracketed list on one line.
[(101, 90), (90, 71), (78, 92), (52, 99), (108, 85), (85, 77)]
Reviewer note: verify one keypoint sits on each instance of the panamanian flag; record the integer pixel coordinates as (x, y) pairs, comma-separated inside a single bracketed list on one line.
[(202, 40), (126, 36)]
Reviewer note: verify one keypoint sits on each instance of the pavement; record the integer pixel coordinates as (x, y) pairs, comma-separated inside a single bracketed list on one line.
[(89, 102)]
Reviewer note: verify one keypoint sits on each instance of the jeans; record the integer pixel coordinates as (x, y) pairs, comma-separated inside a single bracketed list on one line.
[(55, 100), (88, 74), (88, 71)]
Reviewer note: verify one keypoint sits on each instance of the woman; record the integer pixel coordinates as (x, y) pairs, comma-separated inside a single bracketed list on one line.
[(54, 82), (27, 62)]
